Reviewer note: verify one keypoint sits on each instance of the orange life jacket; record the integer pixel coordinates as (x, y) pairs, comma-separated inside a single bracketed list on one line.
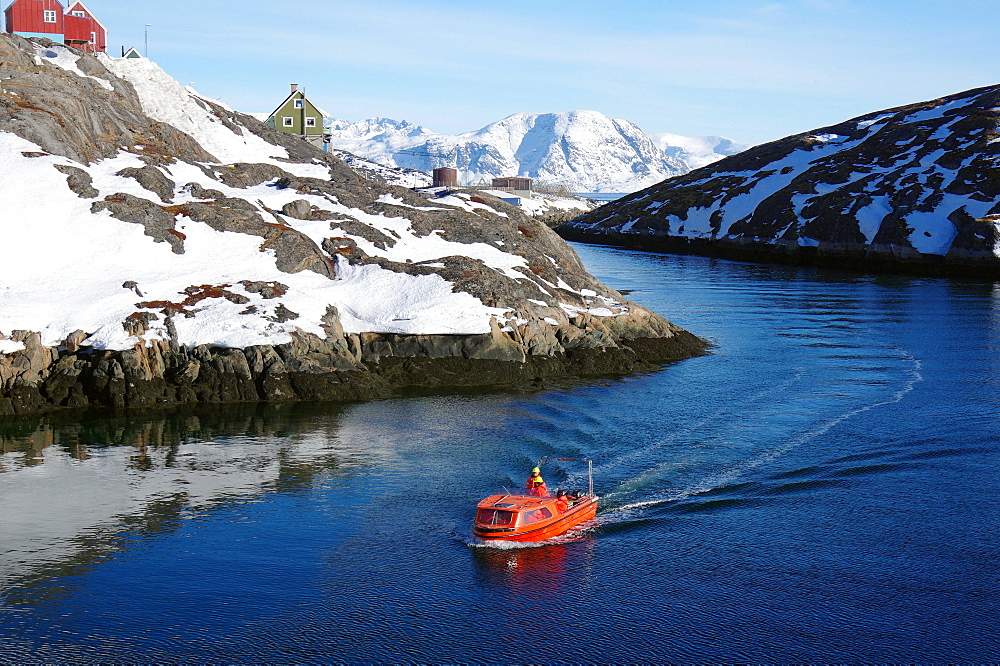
[(536, 485)]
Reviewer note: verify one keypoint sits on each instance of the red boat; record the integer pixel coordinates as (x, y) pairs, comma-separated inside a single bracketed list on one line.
[(522, 516)]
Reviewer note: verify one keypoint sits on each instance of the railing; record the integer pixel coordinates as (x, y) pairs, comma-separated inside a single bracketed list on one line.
[(590, 468), (512, 190)]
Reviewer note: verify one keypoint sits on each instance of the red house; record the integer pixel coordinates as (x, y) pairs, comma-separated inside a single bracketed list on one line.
[(75, 26)]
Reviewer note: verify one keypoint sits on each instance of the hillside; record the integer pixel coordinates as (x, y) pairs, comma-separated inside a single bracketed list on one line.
[(583, 150), (914, 188), (161, 248)]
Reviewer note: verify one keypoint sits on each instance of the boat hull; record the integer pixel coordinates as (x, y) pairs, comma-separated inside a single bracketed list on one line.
[(560, 523)]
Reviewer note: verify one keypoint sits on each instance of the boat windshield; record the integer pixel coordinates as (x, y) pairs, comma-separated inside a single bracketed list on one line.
[(494, 517), (523, 492)]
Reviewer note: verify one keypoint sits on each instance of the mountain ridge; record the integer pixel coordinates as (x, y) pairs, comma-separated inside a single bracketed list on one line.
[(914, 188), (697, 152), (582, 150)]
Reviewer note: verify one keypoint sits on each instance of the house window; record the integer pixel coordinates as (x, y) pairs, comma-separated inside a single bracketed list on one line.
[(310, 122), (49, 16), (298, 104), (287, 121), (78, 14)]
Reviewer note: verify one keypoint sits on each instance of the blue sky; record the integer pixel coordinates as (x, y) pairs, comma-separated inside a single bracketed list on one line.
[(752, 71)]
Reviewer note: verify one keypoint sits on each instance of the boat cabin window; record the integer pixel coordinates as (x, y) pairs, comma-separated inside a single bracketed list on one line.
[(536, 515), (494, 517)]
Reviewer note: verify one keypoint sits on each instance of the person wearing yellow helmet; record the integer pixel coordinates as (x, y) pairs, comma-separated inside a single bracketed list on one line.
[(536, 484)]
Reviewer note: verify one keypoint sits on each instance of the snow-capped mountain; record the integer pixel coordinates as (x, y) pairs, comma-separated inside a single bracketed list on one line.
[(914, 186), (583, 150), (696, 151)]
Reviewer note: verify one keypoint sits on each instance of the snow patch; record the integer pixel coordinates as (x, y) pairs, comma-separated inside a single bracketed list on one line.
[(9, 346), (63, 57), (166, 100), (102, 253), (829, 138), (863, 124)]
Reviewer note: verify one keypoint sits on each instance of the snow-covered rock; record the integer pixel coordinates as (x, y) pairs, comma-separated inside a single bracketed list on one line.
[(915, 187), (160, 247), (393, 175), (584, 151)]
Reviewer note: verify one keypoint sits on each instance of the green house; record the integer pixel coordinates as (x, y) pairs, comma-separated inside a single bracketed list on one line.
[(297, 115)]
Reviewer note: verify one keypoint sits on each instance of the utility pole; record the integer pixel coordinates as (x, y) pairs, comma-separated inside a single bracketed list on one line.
[(146, 33)]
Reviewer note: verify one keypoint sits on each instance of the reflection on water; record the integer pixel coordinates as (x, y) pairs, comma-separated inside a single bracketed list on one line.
[(139, 473), (534, 570), (536, 581)]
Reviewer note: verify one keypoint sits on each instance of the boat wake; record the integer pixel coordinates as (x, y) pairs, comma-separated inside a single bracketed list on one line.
[(718, 453)]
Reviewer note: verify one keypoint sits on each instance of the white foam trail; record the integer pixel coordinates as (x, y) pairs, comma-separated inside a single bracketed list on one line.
[(731, 473), (644, 452), (575, 534)]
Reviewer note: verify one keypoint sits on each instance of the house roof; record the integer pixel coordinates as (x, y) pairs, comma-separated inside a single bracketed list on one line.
[(303, 94), (89, 13), (14, 2), (66, 10)]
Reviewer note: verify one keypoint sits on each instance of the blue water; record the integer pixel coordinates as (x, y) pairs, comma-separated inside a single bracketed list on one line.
[(602, 196), (823, 488)]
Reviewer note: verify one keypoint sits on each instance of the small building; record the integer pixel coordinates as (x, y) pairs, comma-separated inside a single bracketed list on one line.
[(131, 53), (76, 26), (83, 30), (445, 177), (515, 185), (297, 115)]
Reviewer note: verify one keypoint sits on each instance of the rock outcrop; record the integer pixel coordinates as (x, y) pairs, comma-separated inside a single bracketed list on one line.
[(915, 188), (161, 248)]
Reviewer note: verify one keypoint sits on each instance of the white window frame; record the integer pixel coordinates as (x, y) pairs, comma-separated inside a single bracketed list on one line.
[(78, 13), (310, 121), (49, 16), (287, 121), (299, 104)]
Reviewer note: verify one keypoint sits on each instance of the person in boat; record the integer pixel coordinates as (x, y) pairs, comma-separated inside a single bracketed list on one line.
[(536, 484), (562, 502)]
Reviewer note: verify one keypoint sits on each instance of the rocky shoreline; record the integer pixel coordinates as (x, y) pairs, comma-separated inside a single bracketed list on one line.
[(349, 368), (848, 257)]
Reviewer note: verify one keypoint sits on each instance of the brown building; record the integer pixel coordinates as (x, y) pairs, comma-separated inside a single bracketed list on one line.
[(515, 185), (445, 177)]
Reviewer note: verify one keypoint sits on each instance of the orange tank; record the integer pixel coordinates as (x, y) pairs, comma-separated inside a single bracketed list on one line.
[(523, 517)]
